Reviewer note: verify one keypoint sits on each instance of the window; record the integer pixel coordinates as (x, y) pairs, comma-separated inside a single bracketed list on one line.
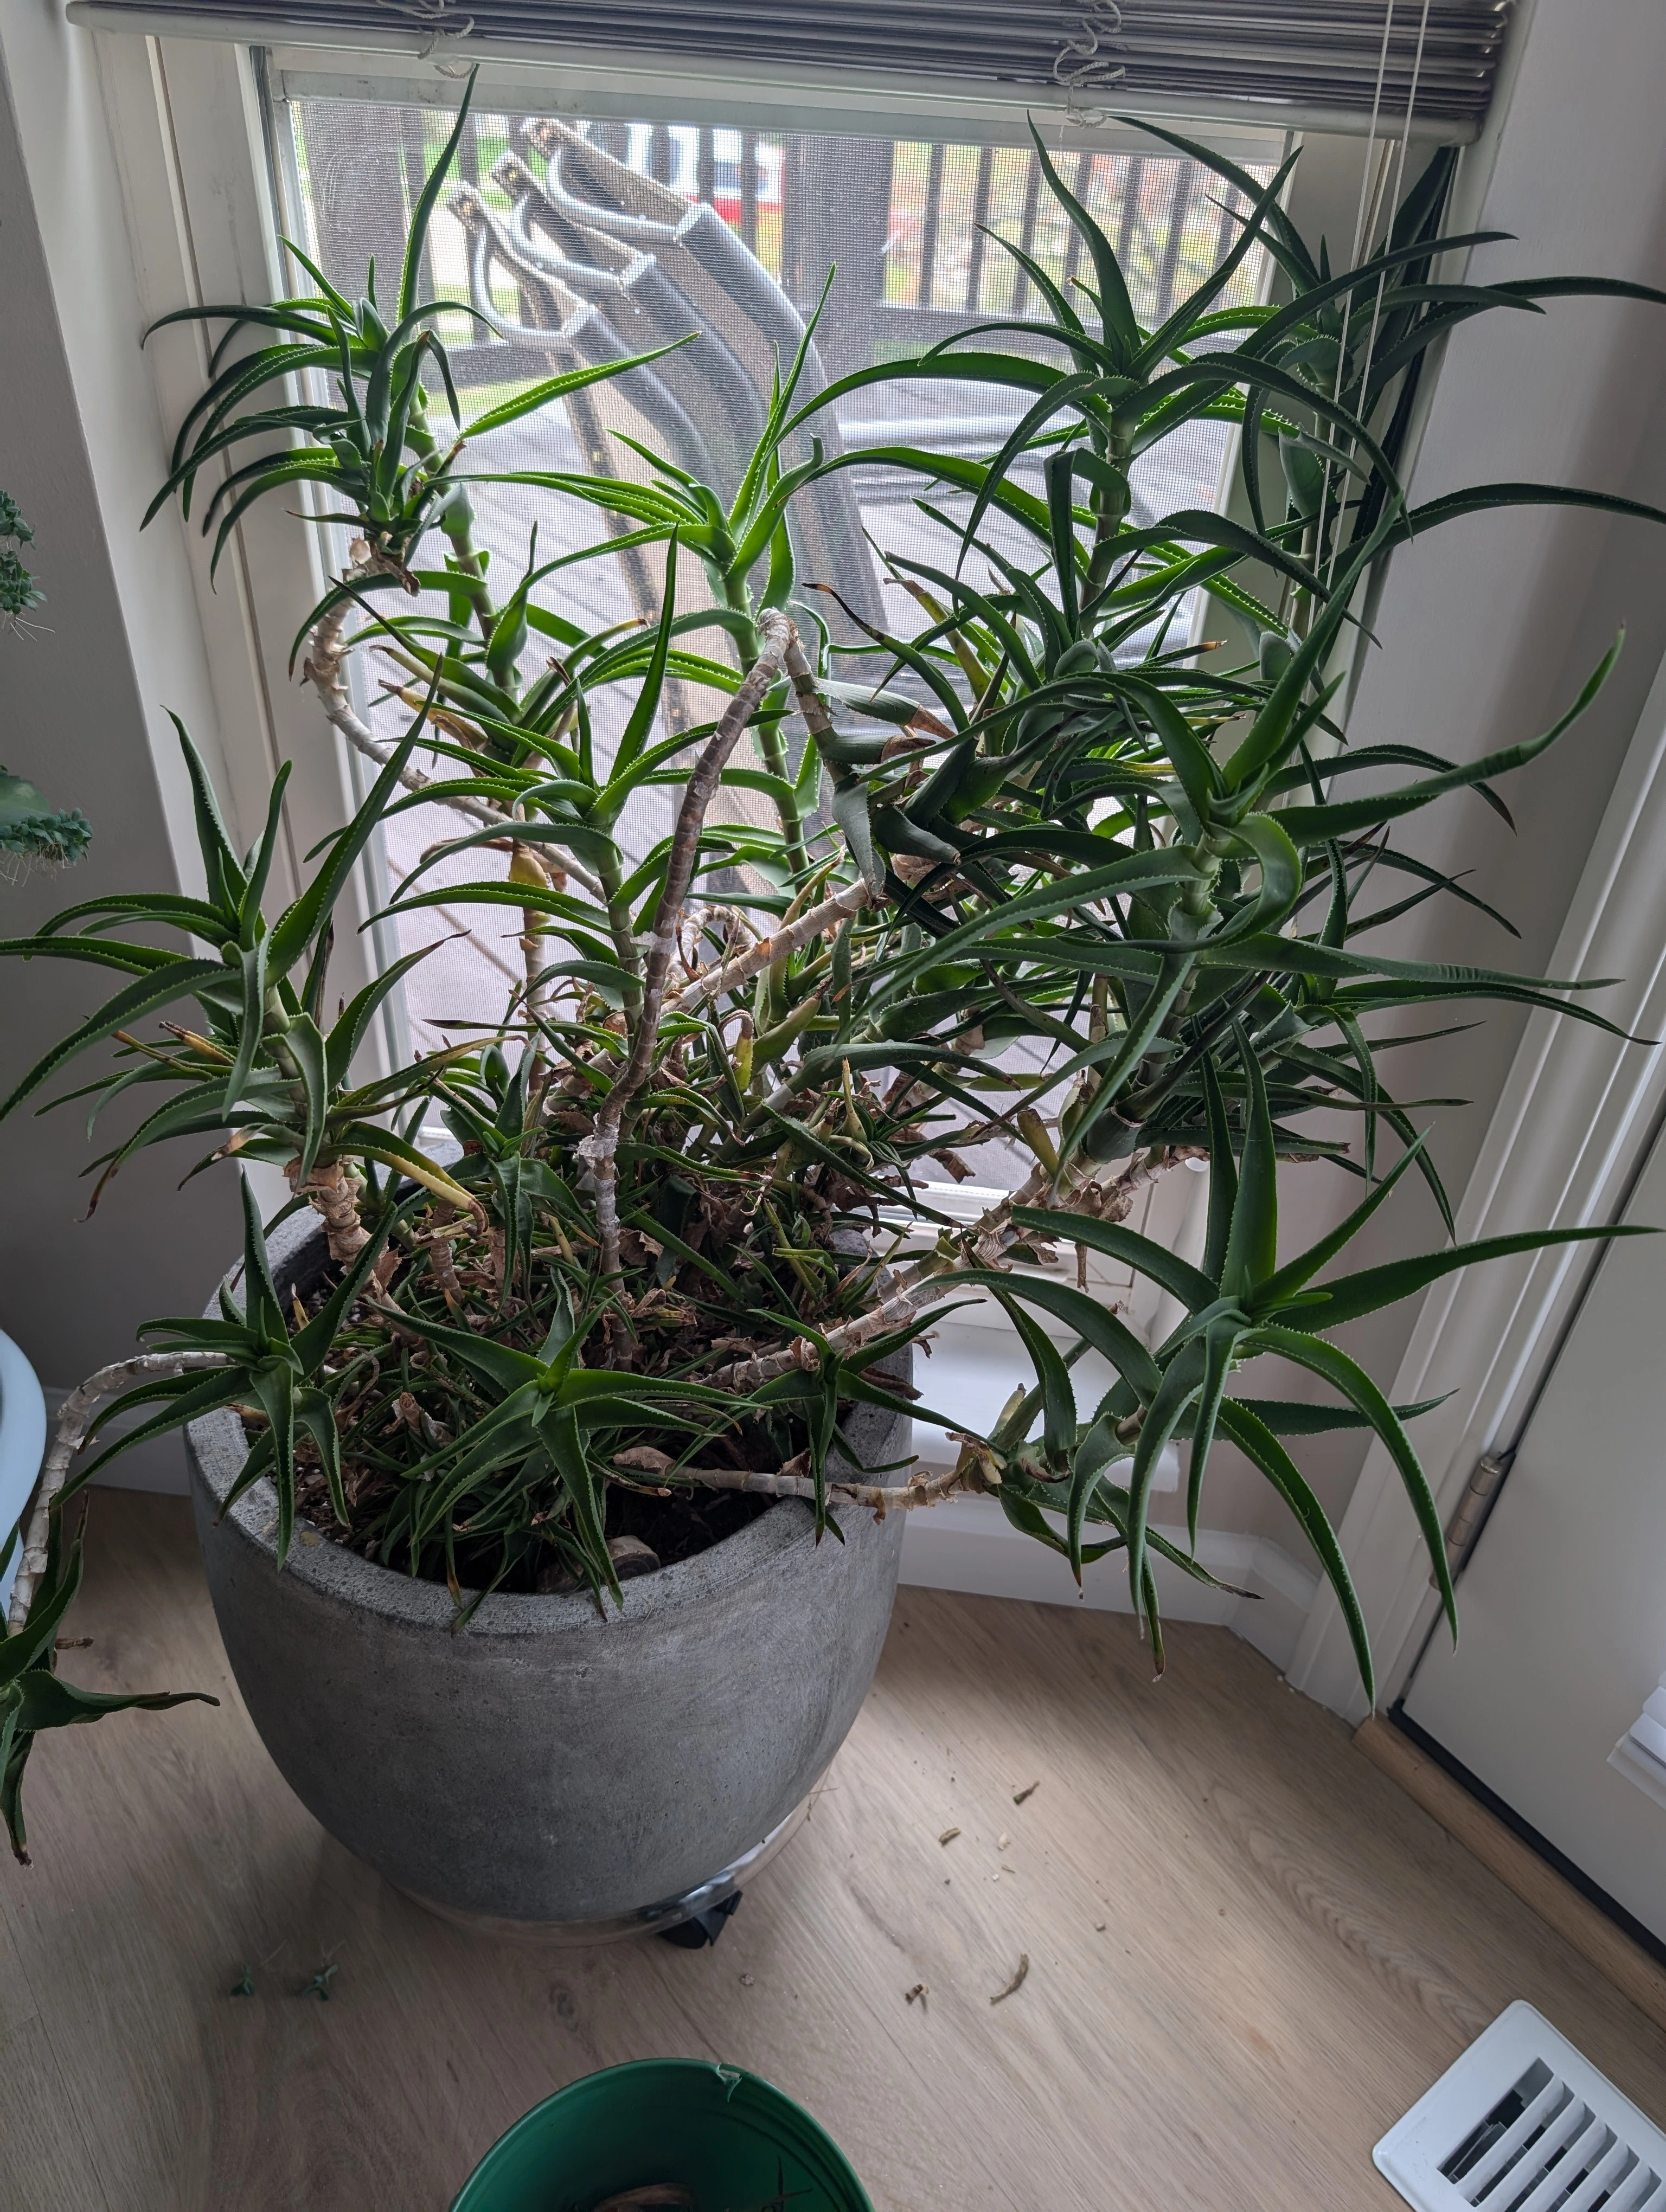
[(226, 147), (583, 240)]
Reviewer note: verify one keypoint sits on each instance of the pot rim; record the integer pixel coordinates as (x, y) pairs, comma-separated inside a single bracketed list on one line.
[(216, 1451)]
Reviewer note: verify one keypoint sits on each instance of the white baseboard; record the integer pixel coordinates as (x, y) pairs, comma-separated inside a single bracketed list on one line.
[(968, 1544)]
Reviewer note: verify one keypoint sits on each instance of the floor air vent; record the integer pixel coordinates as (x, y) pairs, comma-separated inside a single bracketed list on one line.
[(1523, 2124)]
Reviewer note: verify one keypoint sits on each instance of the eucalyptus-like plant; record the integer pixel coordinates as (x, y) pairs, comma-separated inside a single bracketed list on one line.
[(33, 833), (687, 1229)]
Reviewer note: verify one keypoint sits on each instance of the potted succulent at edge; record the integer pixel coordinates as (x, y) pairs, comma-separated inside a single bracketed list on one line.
[(664, 1296)]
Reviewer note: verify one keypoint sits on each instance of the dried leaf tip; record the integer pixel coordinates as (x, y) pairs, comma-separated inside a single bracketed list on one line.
[(1028, 1791), (1017, 1982)]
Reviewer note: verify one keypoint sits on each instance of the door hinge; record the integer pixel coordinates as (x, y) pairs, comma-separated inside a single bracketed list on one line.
[(1470, 1512)]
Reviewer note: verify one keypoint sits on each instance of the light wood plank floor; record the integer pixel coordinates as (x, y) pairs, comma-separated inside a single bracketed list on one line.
[(1248, 1953)]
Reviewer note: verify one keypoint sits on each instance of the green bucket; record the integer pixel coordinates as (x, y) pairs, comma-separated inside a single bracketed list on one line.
[(730, 2138)]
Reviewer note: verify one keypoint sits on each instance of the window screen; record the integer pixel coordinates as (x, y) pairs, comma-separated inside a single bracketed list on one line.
[(587, 241)]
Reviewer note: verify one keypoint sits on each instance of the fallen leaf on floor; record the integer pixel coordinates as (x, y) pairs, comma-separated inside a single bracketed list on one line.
[(244, 1986), (71, 1642), (948, 1835), (1029, 1790), (1003, 1843), (1017, 1982), (919, 1991)]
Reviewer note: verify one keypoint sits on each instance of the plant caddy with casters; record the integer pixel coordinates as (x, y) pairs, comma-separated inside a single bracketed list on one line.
[(566, 1448)]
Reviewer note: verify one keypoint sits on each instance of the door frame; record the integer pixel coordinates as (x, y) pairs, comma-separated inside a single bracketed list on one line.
[(1500, 1327)]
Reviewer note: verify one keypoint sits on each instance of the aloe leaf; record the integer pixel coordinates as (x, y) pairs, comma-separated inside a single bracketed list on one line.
[(1259, 1445), (1346, 818), (1099, 1449), (638, 728), (1288, 244), (1058, 1397), (422, 214), (1252, 1244), (251, 1026), (393, 1152), (1167, 1269), (1182, 1380), (1351, 1380), (1269, 734), (1121, 325), (1095, 1323), (184, 1399), (305, 1046), (1223, 1180), (1191, 756), (1299, 1272), (173, 978), (1350, 1296), (227, 882), (1281, 877), (262, 1310), (348, 1032), (1179, 327), (301, 922)]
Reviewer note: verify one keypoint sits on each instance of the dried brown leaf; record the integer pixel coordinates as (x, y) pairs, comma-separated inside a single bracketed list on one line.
[(1017, 1981)]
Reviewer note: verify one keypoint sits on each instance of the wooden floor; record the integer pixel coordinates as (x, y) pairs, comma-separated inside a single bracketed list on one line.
[(1247, 1952)]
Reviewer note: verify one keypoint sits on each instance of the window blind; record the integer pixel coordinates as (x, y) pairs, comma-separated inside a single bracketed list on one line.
[(1270, 59)]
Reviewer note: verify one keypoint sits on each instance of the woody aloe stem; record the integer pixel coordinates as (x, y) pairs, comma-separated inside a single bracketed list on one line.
[(600, 1149)]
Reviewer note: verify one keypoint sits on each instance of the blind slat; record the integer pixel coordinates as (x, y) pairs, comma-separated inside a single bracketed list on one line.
[(1326, 54)]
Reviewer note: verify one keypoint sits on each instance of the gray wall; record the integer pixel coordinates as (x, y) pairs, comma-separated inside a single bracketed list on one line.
[(74, 717)]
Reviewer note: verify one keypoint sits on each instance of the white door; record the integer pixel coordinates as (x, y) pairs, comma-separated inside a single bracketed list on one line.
[(1562, 1611)]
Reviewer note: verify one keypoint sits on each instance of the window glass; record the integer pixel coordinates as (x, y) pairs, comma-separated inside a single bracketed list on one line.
[(587, 241)]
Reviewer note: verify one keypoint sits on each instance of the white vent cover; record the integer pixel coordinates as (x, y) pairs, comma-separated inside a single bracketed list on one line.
[(1523, 2124)]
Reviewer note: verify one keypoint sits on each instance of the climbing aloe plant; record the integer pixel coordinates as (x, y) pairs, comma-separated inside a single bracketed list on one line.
[(689, 1224)]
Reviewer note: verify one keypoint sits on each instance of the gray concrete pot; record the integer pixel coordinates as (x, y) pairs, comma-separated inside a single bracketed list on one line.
[(543, 1766)]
